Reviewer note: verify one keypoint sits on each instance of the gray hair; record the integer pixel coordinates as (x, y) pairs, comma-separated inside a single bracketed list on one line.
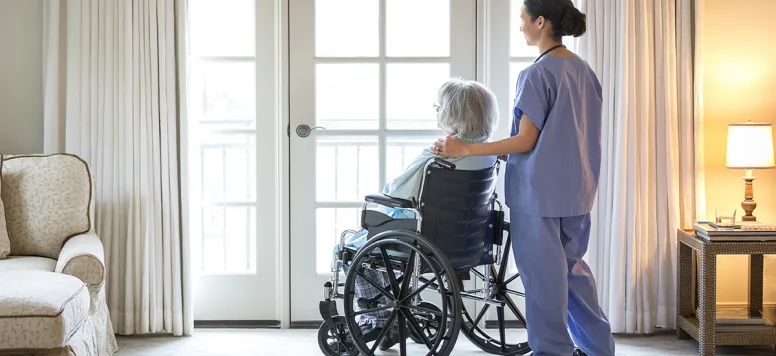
[(467, 108)]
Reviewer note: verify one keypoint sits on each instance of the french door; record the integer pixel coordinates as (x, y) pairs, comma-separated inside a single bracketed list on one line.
[(364, 76)]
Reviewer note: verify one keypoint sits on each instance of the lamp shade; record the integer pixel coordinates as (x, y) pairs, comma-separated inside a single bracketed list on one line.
[(750, 146)]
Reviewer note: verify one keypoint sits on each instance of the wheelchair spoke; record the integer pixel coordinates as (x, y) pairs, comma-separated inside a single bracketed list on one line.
[(500, 314), (384, 332), (482, 314), (478, 273), (405, 285), (420, 289), (402, 334), (415, 327), (378, 287), (519, 294), (512, 279), (513, 307), (391, 274), (502, 271), (373, 310)]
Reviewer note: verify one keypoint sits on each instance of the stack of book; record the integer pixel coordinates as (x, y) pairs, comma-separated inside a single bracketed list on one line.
[(745, 231)]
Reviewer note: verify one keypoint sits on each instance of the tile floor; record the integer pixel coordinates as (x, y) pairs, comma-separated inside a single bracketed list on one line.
[(272, 342)]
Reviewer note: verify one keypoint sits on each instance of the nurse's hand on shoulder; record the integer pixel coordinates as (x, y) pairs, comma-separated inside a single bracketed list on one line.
[(450, 146)]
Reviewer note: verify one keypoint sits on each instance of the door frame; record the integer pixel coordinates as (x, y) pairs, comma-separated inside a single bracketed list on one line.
[(492, 69)]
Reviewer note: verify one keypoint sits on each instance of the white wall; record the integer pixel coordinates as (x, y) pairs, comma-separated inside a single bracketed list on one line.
[(21, 73)]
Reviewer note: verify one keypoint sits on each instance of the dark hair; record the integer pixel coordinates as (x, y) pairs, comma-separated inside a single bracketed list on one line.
[(565, 18)]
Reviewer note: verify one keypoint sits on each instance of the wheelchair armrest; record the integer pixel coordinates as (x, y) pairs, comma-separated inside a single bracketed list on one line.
[(389, 201), (444, 164)]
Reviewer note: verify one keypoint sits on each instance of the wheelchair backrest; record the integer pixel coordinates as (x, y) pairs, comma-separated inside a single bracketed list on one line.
[(457, 208)]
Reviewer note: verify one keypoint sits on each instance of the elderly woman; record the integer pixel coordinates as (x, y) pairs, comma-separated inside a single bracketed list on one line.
[(466, 109)]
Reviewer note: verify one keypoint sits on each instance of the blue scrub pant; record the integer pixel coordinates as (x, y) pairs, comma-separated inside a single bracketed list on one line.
[(560, 289)]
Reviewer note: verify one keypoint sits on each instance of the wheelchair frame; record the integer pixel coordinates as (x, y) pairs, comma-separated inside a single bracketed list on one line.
[(486, 294)]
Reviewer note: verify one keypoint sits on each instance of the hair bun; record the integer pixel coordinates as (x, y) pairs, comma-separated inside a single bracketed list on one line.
[(573, 23)]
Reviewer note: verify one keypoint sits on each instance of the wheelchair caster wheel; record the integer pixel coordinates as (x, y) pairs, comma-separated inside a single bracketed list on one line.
[(337, 341), (428, 323)]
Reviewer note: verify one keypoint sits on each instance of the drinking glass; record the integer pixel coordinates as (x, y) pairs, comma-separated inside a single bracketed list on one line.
[(725, 217)]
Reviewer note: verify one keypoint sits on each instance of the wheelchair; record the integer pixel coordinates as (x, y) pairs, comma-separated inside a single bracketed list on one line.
[(457, 232)]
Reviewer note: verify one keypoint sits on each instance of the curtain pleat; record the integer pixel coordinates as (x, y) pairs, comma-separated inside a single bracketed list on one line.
[(118, 109)]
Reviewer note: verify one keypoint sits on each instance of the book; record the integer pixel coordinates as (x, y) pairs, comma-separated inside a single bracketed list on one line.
[(707, 231)]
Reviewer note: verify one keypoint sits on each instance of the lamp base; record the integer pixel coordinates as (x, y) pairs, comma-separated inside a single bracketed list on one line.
[(748, 204)]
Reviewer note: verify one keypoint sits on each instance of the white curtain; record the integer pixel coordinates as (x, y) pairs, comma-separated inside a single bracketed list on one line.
[(112, 84), (652, 174)]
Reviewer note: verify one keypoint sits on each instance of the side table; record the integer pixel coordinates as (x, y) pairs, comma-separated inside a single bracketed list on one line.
[(702, 326)]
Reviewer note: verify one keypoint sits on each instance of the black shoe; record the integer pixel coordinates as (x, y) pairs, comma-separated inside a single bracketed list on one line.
[(391, 338)]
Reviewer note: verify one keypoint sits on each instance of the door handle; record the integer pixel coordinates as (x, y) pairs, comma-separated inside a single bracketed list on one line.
[(305, 130)]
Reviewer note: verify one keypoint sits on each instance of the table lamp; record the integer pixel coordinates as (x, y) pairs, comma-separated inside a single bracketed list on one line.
[(749, 146)]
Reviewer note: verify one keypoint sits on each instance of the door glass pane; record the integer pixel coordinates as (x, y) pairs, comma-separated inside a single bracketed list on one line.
[(347, 168), (227, 165), (222, 28), (404, 150), (228, 239), (514, 72), (412, 90), (223, 94), (347, 28), (330, 223), (347, 96), (417, 28)]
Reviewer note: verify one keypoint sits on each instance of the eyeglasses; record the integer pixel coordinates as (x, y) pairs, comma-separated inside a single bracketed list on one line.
[(437, 107)]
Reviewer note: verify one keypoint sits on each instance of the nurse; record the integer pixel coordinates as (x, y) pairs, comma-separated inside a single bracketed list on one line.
[(554, 158)]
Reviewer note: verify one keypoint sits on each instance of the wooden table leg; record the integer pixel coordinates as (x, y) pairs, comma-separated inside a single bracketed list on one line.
[(755, 285), (684, 290), (708, 302)]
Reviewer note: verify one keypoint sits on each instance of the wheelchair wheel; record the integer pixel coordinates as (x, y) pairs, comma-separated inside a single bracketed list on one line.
[(337, 341), (500, 291), (428, 322), (394, 253)]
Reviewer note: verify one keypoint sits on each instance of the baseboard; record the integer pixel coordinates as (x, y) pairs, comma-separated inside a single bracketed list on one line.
[(236, 324), (489, 324), (310, 324), (508, 324)]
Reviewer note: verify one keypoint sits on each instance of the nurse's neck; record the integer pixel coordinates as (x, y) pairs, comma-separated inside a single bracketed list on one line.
[(546, 43)]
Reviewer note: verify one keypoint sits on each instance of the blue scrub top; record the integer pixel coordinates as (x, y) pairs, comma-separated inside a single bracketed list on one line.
[(559, 177)]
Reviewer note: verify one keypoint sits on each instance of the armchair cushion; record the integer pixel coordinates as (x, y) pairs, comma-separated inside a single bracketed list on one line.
[(40, 310), (5, 243), (83, 257), (47, 200)]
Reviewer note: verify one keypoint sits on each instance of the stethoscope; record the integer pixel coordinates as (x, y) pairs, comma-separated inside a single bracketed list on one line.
[(548, 51)]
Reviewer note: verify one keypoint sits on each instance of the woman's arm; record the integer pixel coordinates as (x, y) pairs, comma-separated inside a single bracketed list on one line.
[(525, 141)]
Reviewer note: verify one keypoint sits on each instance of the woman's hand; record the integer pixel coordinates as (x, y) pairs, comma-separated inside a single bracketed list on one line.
[(450, 146)]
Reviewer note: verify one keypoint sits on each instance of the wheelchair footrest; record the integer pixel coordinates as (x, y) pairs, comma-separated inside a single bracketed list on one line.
[(328, 310)]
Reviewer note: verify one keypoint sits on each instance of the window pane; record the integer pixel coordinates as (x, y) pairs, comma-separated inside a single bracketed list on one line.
[(417, 28), (518, 47), (223, 94), (347, 167), (347, 96), (222, 28), (330, 223), (412, 90), (229, 239), (403, 150), (347, 28), (227, 167)]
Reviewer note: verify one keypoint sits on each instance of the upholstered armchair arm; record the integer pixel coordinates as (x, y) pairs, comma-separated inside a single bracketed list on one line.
[(83, 256)]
